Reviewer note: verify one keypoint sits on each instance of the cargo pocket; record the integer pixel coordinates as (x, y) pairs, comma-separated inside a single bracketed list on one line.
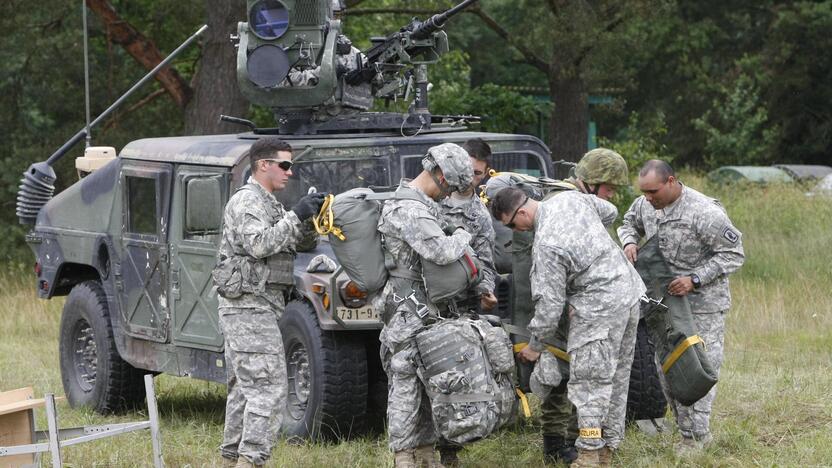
[(591, 356), (253, 332)]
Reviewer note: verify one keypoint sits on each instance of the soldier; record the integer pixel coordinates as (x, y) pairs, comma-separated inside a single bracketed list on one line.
[(413, 230), (465, 208), (253, 277), (599, 172), (702, 247), (575, 260)]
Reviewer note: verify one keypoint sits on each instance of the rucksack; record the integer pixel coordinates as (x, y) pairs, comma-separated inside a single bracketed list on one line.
[(357, 245), (467, 367)]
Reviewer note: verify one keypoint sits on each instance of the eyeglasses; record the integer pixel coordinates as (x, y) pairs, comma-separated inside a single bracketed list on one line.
[(281, 163), (510, 223)]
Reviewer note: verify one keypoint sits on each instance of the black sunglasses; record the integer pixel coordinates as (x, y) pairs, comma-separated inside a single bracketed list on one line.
[(281, 163), (510, 223)]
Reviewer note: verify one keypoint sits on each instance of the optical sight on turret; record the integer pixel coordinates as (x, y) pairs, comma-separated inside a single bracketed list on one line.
[(293, 58)]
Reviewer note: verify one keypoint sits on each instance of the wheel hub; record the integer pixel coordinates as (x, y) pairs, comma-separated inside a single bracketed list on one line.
[(300, 381), (84, 355)]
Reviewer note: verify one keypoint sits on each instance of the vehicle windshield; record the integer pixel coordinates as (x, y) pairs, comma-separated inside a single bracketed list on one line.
[(334, 176)]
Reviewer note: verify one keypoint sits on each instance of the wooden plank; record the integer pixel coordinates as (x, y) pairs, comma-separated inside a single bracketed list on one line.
[(17, 424)]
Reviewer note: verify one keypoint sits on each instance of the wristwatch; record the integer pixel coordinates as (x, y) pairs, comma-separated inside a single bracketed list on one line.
[(696, 281)]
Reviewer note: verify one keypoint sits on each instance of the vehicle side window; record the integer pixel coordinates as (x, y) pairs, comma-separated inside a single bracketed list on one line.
[(203, 207), (525, 163), (141, 205)]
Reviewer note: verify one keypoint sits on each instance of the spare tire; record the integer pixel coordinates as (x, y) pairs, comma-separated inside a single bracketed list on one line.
[(645, 399)]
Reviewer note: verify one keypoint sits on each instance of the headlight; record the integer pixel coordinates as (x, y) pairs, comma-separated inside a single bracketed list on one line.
[(351, 295)]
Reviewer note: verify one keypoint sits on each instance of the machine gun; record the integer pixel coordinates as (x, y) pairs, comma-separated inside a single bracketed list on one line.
[(293, 58), (418, 43)]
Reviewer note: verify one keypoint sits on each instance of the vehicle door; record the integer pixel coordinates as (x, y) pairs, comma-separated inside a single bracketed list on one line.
[(199, 197), (141, 275)]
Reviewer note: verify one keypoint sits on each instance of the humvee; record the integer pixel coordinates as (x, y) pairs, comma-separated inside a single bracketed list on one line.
[(133, 243)]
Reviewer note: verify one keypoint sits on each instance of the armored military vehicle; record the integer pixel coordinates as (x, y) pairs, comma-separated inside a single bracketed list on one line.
[(133, 242)]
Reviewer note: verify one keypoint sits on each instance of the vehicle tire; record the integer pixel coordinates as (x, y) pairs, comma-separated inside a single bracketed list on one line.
[(377, 389), (92, 372), (327, 378), (645, 399)]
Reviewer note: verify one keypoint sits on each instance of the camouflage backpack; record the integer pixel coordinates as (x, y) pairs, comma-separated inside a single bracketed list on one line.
[(467, 367)]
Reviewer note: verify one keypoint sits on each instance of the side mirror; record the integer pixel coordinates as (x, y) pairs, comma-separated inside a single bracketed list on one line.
[(203, 205)]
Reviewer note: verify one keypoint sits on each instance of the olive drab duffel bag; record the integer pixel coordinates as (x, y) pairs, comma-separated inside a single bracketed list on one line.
[(444, 282), (467, 366), (355, 239), (671, 327), (353, 218)]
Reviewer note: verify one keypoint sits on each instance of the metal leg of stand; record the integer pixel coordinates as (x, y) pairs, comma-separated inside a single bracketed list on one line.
[(52, 421), (153, 412)]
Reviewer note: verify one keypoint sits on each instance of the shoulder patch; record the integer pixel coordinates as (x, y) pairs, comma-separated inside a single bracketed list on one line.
[(730, 235)]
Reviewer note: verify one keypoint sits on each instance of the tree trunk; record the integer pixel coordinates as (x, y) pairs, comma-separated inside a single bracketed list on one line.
[(568, 127), (142, 49), (215, 83)]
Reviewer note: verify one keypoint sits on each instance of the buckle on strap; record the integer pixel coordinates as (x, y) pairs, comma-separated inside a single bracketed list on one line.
[(421, 309)]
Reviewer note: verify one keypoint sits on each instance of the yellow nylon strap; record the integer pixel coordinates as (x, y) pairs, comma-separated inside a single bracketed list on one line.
[(324, 221), (683, 346), (559, 353), (524, 402)]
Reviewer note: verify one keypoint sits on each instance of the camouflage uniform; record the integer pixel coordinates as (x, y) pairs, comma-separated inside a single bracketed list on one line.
[(695, 237), (576, 261), (412, 231), (258, 229), (471, 213)]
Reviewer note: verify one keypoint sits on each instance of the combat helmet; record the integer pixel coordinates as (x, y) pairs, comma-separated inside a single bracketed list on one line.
[(603, 166), (455, 164)]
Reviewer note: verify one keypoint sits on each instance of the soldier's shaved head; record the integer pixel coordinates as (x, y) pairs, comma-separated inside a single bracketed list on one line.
[(662, 169)]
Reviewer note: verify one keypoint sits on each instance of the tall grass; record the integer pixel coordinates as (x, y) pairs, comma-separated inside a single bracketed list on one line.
[(773, 408)]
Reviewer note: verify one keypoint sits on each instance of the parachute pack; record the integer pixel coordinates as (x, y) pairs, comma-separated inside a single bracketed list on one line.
[(351, 220), (467, 368), (685, 365)]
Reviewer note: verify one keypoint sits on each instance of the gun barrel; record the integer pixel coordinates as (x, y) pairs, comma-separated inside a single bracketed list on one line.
[(435, 22)]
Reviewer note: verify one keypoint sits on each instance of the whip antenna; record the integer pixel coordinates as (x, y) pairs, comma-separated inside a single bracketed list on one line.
[(86, 73)]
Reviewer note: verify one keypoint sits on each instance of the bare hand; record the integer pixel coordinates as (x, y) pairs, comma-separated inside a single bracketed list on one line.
[(631, 252), (488, 300), (528, 355), (681, 286)]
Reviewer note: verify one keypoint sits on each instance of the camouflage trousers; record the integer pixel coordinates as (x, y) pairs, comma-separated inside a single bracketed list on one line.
[(601, 356), (694, 420), (257, 385), (558, 416), (409, 415)]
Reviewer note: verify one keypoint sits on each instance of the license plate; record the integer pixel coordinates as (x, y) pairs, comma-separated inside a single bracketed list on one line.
[(361, 313)]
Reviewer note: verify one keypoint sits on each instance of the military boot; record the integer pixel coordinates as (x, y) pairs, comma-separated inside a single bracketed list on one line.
[(405, 459), (242, 462), (229, 462), (426, 457), (449, 456), (587, 459), (689, 445), (556, 450), (605, 457)]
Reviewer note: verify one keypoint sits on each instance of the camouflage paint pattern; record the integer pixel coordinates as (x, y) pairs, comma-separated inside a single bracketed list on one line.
[(454, 162), (576, 261)]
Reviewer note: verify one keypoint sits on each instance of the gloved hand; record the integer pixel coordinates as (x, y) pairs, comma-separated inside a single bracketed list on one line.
[(451, 228), (309, 205)]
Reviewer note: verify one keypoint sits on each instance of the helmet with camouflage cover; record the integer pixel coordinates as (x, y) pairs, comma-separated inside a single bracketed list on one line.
[(603, 166), (455, 164)]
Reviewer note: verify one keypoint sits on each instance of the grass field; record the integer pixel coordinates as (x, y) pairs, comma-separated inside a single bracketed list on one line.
[(774, 406)]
